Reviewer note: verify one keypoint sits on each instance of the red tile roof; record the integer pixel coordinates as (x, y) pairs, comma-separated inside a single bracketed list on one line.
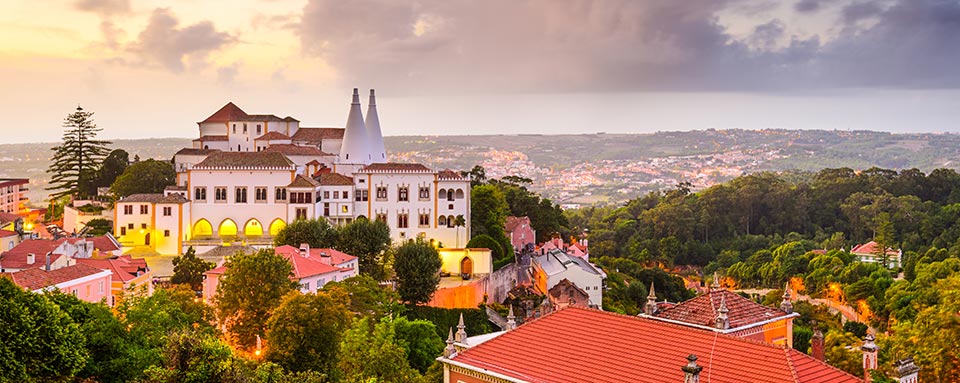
[(599, 346), (16, 258), (154, 198), (211, 138), (395, 167), (8, 217), (317, 135), (870, 248), (266, 118), (450, 175), (7, 233), (195, 152), (295, 150), (124, 268), (304, 267), (702, 310), (303, 182), (35, 279), (245, 160), (513, 222), (334, 179), (336, 257), (227, 113), (272, 136)]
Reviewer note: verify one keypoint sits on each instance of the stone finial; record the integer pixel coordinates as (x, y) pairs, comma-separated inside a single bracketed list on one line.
[(716, 282), (449, 350), (691, 371), (461, 336), (723, 321), (650, 307), (907, 370), (511, 320), (785, 305)]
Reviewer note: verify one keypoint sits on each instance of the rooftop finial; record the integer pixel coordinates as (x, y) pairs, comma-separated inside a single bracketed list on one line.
[(716, 282), (691, 371), (650, 307), (723, 321), (356, 96), (461, 336), (511, 320), (449, 350), (373, 98), (785, 305)]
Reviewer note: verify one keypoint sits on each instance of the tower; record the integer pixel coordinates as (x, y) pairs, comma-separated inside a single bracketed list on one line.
[(355, 147), (374, 134)]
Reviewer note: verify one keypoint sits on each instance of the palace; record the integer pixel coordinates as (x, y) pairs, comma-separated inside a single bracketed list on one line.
[(248, 175)]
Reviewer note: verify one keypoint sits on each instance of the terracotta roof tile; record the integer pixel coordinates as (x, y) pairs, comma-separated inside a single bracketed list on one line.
[(870, 248), (124, 268), (16, 258), (303, 182), (153, 198), (245, 160), (337, 257), (644, 351), (513, 222), (36, 279), (304, 267), (272, 136), (264, 117), (295, 150), (702, 310), (211, 138), (450, 175), (195, 152), (316, 135), (395, 167), (8, 217), (227, 113), (7, 233), (334, 179)]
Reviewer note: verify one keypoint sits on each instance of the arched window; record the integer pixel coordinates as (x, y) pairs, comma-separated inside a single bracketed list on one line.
[(459, 193), (276, 226), (443, 193), (202, 228), (442, 221), (450, 221), (227, 228)]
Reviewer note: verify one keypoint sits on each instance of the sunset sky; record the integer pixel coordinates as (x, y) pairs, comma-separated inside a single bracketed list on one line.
[(154, 68)]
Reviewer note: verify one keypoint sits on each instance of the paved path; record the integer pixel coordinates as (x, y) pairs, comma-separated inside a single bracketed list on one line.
[(847, 313)]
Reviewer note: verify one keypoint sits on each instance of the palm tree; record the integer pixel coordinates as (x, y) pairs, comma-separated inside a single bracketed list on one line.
[(458, 223)]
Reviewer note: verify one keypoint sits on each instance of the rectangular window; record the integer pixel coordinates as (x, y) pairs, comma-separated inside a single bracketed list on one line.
[(220, 194), (100, 286), (75, 292), (424, 220), (381, 193), (326, 194), (200, 194), (260, 194), (301, 213), (127, 209), (244, 128), (258, 128), (240, 195), (424, 193), (346, 195), (326, 209), (336, 195), (360, 195), (234, 128), (130, 226), (402, 220), (123, 231), (281, 195), (144, 209), (166, 233), (167, 211), (403, 193), (345, 209), (382, 217), (143, 226)]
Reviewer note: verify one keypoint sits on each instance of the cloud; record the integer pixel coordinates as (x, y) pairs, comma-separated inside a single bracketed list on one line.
[(582, 45), (104, 7), (164, 42), (807, 6)]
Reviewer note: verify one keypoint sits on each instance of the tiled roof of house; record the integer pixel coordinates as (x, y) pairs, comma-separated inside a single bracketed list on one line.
[(222, 251), (870, 248), (295, 150), (336, 257), (8, 217), (227, 113), (153, 198), (272, 136), (102, 242), (599, 346), (211, 138), (195, 152), (35, 279), (219, 270), (245, 160), (702, 310), (395, 167), (513, 222), (304, 267), (7, 233), (303, 182), (334, 179), (16, 258), (448, 174), (264, 117), (316, 135), (124, 268)]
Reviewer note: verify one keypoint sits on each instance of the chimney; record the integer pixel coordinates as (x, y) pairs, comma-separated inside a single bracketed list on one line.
[(325, 258), (449, 350), (716, 282), (305, 249), (691, 372), (461, 336), (869, 356), (816, 344), (511, 320), (355, 142), (785, 305), (907, 371), (374, 134), (31, 258), (650, 307), (47, 267), (723, 321)]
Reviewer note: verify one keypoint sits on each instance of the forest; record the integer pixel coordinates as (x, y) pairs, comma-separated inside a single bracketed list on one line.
[(766, 230)]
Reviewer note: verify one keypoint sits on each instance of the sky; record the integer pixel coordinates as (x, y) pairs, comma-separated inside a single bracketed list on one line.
[(154, 68)]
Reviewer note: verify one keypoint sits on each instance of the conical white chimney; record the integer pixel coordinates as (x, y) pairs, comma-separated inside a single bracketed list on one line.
[(354, 149), (374, 134)]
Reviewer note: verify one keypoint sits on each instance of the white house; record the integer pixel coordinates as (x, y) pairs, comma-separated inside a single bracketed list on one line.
[(551, 267)]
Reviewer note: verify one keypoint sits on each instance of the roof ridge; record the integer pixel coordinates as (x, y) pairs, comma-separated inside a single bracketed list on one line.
[(793, 368), (811, 358)]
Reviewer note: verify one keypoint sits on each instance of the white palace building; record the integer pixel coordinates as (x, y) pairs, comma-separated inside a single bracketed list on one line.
[(248, 175)]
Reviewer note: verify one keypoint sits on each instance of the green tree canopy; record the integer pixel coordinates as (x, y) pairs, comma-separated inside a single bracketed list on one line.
[(315, 232), (417, 266), (188, 269), (305, 331), (76, 160), (38, 340), (488, 214), (420, 341), (375, 354), (150, 176), (367, 297), (249, 291), (369, 241)]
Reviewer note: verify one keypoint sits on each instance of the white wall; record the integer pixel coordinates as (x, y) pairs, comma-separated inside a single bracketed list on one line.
[(217, 212)]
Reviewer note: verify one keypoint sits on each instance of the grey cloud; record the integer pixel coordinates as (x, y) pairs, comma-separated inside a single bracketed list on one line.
[(104, 7), (852, 13), (583, 45), (807, 6), (165, 43)]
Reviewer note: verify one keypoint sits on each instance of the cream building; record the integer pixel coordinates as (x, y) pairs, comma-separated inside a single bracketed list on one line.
[(248, 176)]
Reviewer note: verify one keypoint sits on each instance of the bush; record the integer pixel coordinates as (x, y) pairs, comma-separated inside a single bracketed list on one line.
[(475, 319), (487, 242), (857, 328)]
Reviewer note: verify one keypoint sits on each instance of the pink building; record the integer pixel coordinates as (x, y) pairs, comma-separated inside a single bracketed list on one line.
[(83, 281), (126, 273), (13, 197), (520, 232), (32, 253)]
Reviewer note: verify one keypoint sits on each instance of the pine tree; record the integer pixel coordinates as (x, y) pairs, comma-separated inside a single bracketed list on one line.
[(78, 157)]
